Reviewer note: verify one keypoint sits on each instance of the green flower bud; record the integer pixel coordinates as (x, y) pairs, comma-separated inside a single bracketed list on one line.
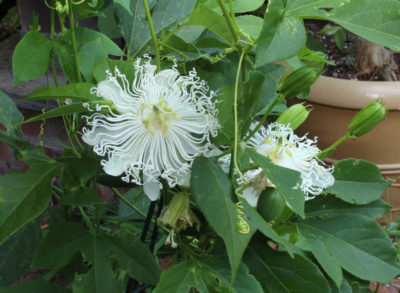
[(177, 213), (297, 81), (366, 119), (178, 205), (295, 115)]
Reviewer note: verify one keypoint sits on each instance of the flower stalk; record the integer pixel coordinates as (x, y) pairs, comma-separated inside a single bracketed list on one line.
[(153, 35)]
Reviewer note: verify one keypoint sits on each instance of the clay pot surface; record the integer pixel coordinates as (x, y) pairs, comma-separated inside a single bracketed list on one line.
[(335, 102)]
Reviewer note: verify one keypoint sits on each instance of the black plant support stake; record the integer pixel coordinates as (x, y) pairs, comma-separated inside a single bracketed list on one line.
[(149, 216), (131, 283), (155, 229)]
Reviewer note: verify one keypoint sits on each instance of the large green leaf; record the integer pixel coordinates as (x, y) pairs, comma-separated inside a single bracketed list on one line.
[(377, 23), (287, 181), (204, 16), (309, 7), (107, 24), (239, 6), (131, 18), (10, 116), (60, 244), (63, 48), (134, 26), (15, 258), (210, 274), (134, 257), (268, 95), (31, 57), (218, 265), (250, 24), (89, 55), (67, 109), (85, 35), (329, 206), (279, 273), (23, 197), (356, 243), (358, 181), (81, 196), (281, 36), (266, 229), (64, 240), (213, 194), (181, 278), (76, 91), (36, 286)]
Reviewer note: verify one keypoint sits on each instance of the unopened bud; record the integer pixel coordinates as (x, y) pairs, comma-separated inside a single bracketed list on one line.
[(295, 115), (366, 119), (297, 81), (176, 208)]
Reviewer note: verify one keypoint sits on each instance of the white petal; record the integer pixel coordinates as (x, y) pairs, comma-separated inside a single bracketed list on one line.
[(251, 196), (115, 166), (152, 190)]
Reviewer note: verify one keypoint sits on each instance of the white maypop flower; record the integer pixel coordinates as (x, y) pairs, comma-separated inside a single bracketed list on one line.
[(286, 149), (156, 127)]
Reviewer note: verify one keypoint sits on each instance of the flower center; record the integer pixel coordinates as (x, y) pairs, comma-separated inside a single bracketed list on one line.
[(156, 117), (277, 152)]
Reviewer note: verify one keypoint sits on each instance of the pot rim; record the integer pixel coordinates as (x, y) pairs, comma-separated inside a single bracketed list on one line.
[(354, 94)]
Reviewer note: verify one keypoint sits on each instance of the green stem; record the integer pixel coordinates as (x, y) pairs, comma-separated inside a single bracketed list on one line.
[(329, 150), (235, 114), (121, 197), (87, 221), (262, 120), (229, 22), (153, 35), (73, 37)]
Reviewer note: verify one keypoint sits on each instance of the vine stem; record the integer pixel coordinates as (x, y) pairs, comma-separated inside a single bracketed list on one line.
[(235, 114), (262, 120), (73, 37), (153, 34), (229, 21), (329, 150)]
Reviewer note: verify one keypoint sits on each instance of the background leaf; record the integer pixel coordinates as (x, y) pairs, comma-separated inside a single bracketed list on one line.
[(60, 244), (10, 116), (133, 23), (281, 37), (204, 16), (89, 55), (358, 243), (76, 91), (17, 252), (357, 181), (36, 286), (23, 197), (279, 273), (31, 57), (329, 206)]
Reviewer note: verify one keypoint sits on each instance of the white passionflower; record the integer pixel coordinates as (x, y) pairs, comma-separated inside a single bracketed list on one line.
[(285, 149), (156, 127)]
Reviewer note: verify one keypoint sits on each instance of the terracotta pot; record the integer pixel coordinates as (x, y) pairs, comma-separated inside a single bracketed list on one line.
[(335, 102)]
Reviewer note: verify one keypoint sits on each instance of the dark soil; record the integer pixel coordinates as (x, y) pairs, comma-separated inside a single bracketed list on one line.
[(344, 59)]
